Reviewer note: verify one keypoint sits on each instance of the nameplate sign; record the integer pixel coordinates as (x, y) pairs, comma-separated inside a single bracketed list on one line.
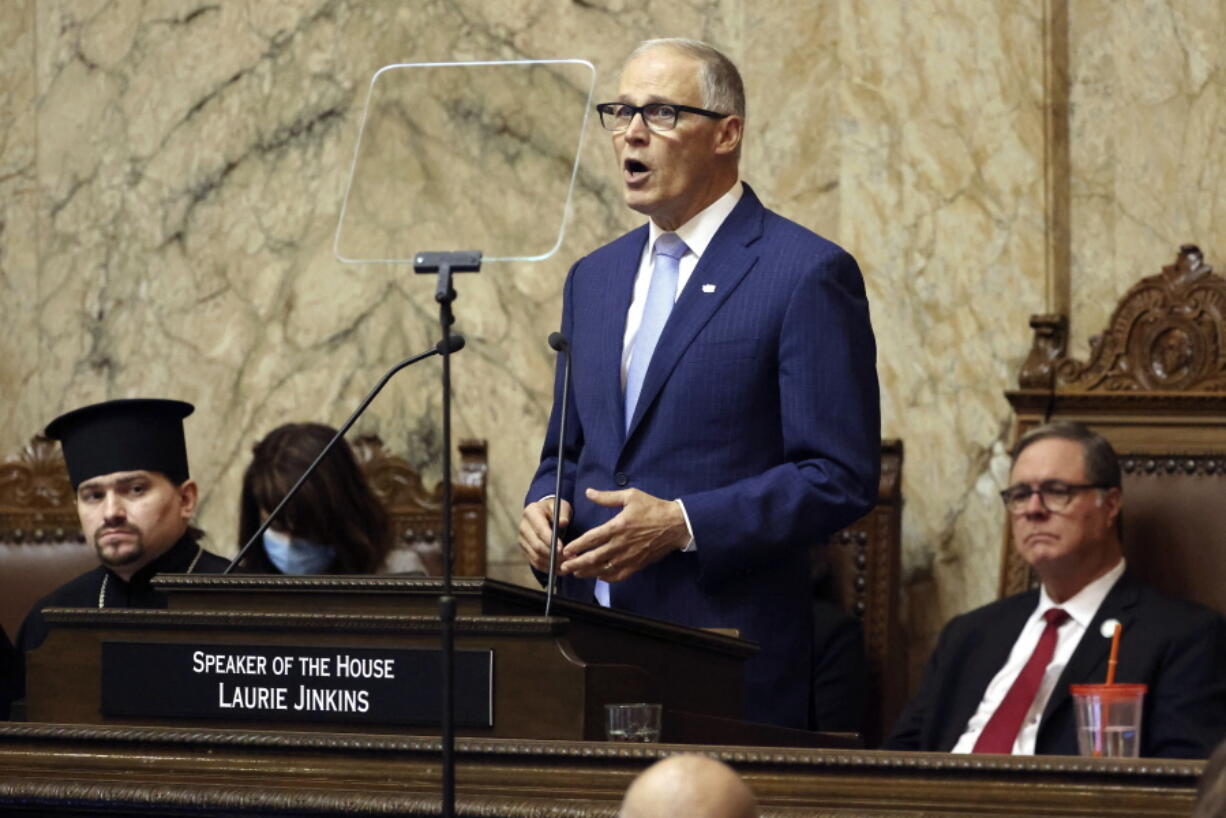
[(298, 684)]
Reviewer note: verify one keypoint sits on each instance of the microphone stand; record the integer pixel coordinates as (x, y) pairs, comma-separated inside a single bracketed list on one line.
[(444, 264), (449, 344), (561, 345)]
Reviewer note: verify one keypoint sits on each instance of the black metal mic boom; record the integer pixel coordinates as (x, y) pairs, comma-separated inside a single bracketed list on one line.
[(562, 346), (454, 342)]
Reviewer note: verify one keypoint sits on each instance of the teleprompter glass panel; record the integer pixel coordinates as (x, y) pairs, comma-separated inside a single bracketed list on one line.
[(465, 156)]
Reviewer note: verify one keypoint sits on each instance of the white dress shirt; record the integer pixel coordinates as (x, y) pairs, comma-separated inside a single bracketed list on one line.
[(697, 234), (1081, 609)]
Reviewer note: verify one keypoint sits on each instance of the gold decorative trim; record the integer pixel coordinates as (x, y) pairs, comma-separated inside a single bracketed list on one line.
[(1205, 464), (1032, 401), (741, 757), (297, 801), (319, 622), (320, 582)]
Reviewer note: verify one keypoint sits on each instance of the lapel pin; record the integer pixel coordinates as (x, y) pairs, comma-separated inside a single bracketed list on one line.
[(1108, 628), (708, 288)]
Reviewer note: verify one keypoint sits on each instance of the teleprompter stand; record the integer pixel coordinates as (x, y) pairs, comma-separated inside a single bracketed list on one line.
[(444, 265)]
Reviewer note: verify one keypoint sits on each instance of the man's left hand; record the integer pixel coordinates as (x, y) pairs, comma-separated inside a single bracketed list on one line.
[(645, 530)]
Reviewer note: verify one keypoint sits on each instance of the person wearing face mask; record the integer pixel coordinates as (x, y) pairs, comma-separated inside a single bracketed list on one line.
[(334, 525)]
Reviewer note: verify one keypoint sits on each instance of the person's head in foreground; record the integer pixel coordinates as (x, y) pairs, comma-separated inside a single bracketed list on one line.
[(1211, 794), (688, 786), (127, 462), (334, 524)]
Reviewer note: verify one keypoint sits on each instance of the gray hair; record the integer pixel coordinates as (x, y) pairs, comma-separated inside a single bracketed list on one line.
[(722, 89)]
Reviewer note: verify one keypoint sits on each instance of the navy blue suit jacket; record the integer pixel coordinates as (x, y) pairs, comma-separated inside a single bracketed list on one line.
[(1175, 647), (759, 411)]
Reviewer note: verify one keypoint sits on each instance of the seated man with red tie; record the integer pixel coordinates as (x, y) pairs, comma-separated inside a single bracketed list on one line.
[(998, 681)]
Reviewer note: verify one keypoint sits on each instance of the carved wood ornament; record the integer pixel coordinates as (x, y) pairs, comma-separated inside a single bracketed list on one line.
[(1154, 383), (416, 512), (1165, 335), (37, 503)]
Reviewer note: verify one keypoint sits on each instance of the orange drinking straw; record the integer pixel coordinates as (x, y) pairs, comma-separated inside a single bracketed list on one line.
[(1111, 663), (1115, 654)]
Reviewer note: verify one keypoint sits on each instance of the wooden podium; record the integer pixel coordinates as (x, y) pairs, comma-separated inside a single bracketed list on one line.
[(89, 750), (360, 654)]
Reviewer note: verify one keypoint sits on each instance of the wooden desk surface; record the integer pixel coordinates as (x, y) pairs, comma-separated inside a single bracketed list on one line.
[(80, 770)]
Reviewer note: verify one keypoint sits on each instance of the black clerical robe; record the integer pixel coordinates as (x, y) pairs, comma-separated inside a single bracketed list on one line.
[(103, 588)]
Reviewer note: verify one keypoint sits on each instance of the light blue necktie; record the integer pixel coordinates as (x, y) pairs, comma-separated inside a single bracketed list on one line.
[(661, 294), (660, 297)]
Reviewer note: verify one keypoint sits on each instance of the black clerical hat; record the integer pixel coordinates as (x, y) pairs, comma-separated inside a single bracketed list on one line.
[(133, 434)]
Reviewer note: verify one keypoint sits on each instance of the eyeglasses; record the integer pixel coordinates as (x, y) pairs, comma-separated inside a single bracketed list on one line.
[(1055, 496), (659, 116)]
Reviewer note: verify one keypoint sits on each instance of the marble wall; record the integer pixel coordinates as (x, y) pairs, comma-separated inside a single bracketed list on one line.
[(1147, 146), (171, 174)]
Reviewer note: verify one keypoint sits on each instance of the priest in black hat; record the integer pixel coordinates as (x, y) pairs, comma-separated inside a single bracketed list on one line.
[(127, 461)]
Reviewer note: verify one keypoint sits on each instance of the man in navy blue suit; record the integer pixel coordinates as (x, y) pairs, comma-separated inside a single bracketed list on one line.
[(723, 413)]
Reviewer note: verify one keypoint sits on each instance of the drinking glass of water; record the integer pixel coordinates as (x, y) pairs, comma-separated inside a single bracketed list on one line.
[(637, 721)]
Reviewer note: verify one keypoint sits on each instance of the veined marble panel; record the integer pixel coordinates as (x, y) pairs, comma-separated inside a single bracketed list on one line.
[(19, 295), (1148, 131), (941, 200), (792, 80)]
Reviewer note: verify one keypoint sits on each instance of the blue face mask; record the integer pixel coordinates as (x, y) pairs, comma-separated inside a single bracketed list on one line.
[(294, 555)]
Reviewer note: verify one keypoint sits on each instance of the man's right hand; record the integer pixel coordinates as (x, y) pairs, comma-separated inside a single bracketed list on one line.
[(534, 532)]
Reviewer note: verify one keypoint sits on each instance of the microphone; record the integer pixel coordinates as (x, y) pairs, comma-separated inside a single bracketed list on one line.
[(454, 342), (561, 346)]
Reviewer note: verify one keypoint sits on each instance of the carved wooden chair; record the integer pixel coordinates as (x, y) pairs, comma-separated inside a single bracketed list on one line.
[(417, 513), (1155, 387), (862, 566), (41, 544)]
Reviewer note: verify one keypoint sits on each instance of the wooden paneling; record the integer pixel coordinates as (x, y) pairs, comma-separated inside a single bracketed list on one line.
[(152, 771)]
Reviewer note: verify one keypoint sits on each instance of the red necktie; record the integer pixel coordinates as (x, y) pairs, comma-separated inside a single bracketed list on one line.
[(1001, 730)]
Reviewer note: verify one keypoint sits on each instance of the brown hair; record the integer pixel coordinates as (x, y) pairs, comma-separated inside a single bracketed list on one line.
[(1101, 463), (335, 506)]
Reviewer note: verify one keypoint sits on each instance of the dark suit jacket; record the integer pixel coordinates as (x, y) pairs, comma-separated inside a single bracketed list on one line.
[(1175, 647), (759, 410), (841, 681)]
